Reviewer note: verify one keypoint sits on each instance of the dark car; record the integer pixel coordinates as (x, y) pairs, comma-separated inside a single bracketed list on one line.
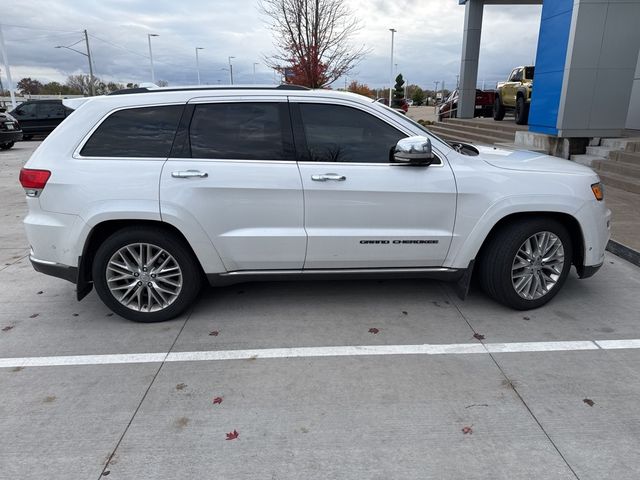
[(484, 105), (40, 117), (10, 132)]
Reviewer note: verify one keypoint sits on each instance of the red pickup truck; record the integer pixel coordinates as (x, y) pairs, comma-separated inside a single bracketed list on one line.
[(484, 105)]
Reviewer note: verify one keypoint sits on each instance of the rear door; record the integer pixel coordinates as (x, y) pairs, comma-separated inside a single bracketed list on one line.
[(236, 176)]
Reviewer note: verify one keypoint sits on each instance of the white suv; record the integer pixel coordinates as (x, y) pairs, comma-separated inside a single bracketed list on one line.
[(146, 194)]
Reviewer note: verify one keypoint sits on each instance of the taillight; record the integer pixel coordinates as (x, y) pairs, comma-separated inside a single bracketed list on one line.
[(33, 181)]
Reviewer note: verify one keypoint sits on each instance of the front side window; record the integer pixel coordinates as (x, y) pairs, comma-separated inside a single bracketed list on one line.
[(241, 131), (335, 133), (50, 109), (27, 109), (145, 132), (528, 72)]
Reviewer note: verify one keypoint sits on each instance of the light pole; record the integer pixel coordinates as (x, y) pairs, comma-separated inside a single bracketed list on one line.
[(198, 63), (153, 75), (435, 92), (231, 70), (393, 31), (92, 87), (254, 71)]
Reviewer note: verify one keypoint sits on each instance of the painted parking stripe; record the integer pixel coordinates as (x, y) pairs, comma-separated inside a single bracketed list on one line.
[(305, 352)]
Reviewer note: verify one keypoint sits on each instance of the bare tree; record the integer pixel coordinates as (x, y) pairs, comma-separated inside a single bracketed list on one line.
[(312, 38)]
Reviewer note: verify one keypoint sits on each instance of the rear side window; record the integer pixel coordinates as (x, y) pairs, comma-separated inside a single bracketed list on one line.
[(241, 131), (135, 132)]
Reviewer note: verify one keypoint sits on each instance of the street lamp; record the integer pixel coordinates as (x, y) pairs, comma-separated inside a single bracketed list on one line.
[(153, 75), (393, 31), (92, 86), (231, 70), (198, 63), (254, 72)]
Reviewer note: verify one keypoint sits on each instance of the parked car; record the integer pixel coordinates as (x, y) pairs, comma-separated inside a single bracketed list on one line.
[(144, 196), (483, 107), (10, 131), (515, 95), (40, 117)]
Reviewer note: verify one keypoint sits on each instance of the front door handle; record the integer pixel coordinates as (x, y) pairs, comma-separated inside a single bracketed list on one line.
[(189, 174), (328, 176)]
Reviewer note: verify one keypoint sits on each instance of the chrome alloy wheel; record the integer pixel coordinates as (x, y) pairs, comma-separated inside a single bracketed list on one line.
[(144, 277), (538, 265)]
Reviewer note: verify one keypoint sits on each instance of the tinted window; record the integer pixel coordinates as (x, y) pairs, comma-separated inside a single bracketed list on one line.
[(341, 134), (136, 132), (27, 109), (241, 131), (528, 72), (50, 109)]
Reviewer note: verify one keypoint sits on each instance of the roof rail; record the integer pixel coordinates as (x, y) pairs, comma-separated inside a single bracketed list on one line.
[(283, 86)]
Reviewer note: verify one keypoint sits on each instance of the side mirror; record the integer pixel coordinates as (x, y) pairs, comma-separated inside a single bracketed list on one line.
[(414, 151)]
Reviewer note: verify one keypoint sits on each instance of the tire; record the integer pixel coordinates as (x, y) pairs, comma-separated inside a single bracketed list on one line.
[(498, 109), (522, 111), (7, 146), (27, 137), (453, 113), (520, 285), (162, 298)]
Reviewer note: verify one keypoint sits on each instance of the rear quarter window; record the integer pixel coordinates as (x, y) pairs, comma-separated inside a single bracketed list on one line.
[(135, 132)]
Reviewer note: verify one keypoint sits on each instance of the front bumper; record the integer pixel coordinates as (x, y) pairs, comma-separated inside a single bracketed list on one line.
[(55, 269)]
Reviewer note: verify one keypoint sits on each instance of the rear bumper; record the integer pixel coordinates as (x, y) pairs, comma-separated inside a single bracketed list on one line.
[(55, 269)]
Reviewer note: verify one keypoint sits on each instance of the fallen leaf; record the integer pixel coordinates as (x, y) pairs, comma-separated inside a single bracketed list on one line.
[(181, 386), (213, 333), (109, 315), (34, 315), (467, 430), (40, 292), (105, 473), (373, 330), (75, 314), (478, 336), (589, 402), (217, 400), (7, 328), (404, 313), (526, 318), (232, 435)]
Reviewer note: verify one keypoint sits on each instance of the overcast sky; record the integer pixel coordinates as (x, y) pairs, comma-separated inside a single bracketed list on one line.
[(428, 41)]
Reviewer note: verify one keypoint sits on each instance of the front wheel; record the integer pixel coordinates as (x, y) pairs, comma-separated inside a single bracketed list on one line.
[(146, 274), (525, 264), (522, 111), (498, 109)]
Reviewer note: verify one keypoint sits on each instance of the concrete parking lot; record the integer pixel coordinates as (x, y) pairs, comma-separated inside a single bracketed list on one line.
[(320, 380)]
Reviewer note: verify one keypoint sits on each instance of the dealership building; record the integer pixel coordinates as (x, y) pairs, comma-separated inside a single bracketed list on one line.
[(587, 76)]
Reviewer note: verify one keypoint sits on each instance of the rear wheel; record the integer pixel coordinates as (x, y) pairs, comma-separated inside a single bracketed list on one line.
[(27, 137), (146, 274), (6, 146), (498, 109), (522, 111), (525, 264)]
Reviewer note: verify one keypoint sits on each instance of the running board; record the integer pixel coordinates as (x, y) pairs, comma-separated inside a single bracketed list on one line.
[(241, 276)]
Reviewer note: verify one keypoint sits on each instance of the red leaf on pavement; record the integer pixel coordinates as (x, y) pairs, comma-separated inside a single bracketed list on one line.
[(467, 430), (373, 330), (232, 435), (213, 333), (7, 328), (217, 400), (589, 402), (478, 336)]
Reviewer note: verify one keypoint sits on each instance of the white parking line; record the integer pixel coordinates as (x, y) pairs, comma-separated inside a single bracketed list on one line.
[(301, 352)]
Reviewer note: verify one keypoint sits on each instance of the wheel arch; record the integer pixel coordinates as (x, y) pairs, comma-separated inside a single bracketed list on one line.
[(103, 230)]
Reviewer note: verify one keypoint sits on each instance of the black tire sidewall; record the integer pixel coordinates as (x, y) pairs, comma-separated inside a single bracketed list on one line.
[(191, 274)]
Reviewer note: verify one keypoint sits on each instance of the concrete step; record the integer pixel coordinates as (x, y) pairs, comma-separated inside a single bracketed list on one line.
[(505, 126), (619, 181), (625, 169), (599, 151), (632, 158), (506, 136), (629, 144), (588, 160), (453, 134)]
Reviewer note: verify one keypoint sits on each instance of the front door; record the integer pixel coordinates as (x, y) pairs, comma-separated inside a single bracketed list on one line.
[(237, 178), (361, 210)]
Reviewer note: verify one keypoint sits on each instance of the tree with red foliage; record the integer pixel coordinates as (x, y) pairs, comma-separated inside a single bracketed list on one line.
[(312, 40), (361, 89)]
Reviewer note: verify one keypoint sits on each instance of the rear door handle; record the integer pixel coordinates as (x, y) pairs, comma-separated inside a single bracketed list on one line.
[(189, 174), (323, 177)]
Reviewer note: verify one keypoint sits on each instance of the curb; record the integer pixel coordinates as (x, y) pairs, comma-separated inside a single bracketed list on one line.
[(624, 252)]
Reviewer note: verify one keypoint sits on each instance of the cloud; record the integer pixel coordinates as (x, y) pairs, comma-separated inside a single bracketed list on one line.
[(427, 47)]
